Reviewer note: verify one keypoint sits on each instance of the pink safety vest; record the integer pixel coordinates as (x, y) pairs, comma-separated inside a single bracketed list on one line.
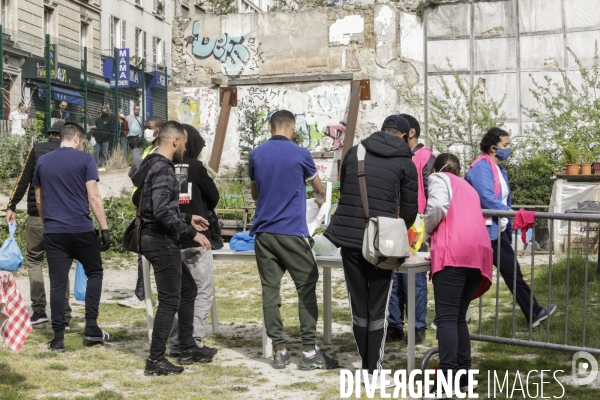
[(420, 159), (461, 239)]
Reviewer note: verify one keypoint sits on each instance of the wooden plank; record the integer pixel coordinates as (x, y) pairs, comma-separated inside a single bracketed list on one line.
[(288, 79), (228, 99)]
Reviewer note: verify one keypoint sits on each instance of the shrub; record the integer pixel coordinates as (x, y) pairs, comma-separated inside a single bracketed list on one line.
[(13, 152)]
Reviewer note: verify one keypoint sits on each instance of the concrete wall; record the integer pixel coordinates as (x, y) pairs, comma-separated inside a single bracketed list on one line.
[(380, 42)]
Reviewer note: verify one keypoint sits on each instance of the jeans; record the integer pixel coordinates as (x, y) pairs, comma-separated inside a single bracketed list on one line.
[(176, 293), (101, 153), (507, 269), (453, 290), (200, 263), (369, 296), (124, 144), (61, 250), (34, 233), (398, 301)]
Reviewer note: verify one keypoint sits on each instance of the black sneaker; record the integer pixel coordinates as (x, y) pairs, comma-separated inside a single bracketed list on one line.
[(542, 315), (174, 353), (95, 334), (38, 318), (317, 360), (419, 337), (196, 354), (280, 360), (464, 384), (57, 345), (162, 367), (394, 335)]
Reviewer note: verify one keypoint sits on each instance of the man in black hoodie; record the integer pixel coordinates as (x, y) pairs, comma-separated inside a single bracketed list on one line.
[(103, 134), (391, 179), (198, 195), (162, 227)]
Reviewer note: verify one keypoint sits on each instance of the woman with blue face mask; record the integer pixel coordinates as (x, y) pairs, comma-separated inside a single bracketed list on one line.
[(490, 180)]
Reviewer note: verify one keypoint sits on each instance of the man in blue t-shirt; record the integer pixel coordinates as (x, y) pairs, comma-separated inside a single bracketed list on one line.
[(65, 182), (278, 170)]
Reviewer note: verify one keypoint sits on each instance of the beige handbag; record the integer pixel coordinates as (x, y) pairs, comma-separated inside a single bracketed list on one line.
[(385, 241)]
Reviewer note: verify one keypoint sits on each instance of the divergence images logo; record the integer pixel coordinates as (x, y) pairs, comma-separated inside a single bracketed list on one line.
[(584, 372)]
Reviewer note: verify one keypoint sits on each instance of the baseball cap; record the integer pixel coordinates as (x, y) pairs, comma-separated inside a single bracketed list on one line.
[(56, 127), (397, 122)]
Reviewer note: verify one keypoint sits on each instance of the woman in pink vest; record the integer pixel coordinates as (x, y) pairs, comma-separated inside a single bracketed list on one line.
[(461, 260)]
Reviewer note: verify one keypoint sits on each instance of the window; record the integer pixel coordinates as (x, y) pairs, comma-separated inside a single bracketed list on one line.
[(138, 2), (163, 53), (123, 34), (48, 21), (160, 52), (112, 33), (144, 52), (154, 46), (138, 43), (3, 11), (84, 37)]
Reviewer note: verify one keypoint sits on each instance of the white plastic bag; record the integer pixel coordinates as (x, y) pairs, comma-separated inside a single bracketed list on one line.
[(323, 247), (315, 215)]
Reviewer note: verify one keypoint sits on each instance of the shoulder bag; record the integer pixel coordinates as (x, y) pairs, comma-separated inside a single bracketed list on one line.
[(133, 233), (385, 241)]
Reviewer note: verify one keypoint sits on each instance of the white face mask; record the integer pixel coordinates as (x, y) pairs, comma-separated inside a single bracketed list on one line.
[(149, 134)]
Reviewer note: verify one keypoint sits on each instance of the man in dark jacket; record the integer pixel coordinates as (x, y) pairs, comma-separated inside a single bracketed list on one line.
[(163, 226), (34, 227), (391, 179), (103, 134), (198, 195)]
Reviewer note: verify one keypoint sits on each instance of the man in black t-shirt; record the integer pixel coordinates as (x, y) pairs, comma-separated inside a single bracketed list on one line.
[(198, 195)]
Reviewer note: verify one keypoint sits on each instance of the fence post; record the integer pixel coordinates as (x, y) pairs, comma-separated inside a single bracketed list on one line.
[(2, 71), (116, 111), (48, 85), (143, 97), (85, 90), (166, 93)]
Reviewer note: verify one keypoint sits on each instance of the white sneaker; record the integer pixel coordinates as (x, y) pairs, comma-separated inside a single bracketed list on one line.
[(132, 303), (389, 381)]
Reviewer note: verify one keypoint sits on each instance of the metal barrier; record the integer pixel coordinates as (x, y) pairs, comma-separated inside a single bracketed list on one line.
[(563, 345)]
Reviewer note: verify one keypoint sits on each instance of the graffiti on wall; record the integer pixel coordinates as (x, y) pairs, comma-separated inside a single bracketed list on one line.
[(237, 54), (198, 107), (320, 112)]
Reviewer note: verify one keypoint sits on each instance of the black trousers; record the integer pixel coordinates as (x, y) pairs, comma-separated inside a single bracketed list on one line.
[(61, 250), (177, 292), (453, 290), (139, 284), (369, 291), (507, 267)]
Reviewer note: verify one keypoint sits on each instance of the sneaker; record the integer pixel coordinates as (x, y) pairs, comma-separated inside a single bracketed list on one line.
[(419, 337), (196, 354), (433, 326), (280, 360), (95, 334), (389, 381), (394, 335), (542, 315), (38, 318), (464, 384), (318, 360), (57, 345), (132, 302), (174, 353), (162, 367)]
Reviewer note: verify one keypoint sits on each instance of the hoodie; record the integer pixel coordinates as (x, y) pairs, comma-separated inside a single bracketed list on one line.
[(198, 193), (391, 179), (160, 202)]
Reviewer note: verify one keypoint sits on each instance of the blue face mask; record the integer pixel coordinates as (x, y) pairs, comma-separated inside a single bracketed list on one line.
[(502, 154)]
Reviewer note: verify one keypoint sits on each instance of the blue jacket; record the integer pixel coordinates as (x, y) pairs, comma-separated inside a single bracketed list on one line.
[(480, 176)]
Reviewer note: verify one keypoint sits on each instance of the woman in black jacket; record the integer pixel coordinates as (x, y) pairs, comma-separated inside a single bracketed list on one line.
[(391, 179)]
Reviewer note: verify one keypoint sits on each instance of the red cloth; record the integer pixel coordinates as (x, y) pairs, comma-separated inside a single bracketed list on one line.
[(14, 320), (523, 221)]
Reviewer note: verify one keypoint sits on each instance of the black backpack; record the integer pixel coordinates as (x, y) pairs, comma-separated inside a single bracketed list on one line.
[(214, 229)]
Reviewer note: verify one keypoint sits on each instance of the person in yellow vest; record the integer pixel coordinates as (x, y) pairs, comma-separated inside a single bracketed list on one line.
[(151, 127), (423, 159)]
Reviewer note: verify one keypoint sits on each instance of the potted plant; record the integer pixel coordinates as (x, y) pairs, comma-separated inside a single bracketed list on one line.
[(571, 160), (586, 164)]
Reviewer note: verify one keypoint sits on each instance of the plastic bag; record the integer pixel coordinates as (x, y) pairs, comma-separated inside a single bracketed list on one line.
[(80, 283), (11, 257), (315, 215), (242, 241), (323, 247), (416, 234)]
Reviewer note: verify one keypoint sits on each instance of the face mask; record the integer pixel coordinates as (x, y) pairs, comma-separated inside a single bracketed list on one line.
[(502, 154), (442, 169), (149, 134)]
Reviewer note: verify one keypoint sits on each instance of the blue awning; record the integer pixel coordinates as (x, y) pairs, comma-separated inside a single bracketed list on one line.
[(61, 94)]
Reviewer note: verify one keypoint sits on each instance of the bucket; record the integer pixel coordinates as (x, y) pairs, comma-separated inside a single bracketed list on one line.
[(572, 169), (586, 169), (596, 168)]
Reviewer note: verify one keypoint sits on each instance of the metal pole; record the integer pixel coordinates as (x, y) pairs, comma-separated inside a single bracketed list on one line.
[(143, 95), (166, 94), (48, 84), (85, 89), (116, 73), (2, 72)]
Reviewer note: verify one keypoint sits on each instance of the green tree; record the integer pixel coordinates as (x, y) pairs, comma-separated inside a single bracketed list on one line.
[(220, 7), (253, 130), (568, 114), (460, 117)]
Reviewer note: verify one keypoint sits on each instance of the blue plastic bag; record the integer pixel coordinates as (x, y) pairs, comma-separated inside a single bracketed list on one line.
[(11, 258), (242, 241), (80, 283)]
